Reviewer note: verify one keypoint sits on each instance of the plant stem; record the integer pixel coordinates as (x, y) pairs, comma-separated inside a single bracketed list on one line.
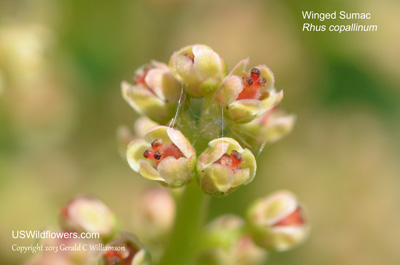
[(183, 242)]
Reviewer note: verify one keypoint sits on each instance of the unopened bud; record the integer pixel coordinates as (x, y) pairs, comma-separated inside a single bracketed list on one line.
[(198, 68), (87, 214), (229, 244)]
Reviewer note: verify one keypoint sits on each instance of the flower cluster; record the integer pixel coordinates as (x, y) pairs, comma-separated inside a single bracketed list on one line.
[(202, 124), (176, 143)]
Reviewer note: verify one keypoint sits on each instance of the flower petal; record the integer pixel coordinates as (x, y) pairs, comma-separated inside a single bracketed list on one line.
[(207, 64), (245, 110), (216, 179), (134, 153), (273, 100), (163, 84), (158, 132), (241, 68), (229, 90), (175, 172), (249, 163), (181, 142), (199, 47), (268, 75), (148, 171), (145, 102), (241, 177)]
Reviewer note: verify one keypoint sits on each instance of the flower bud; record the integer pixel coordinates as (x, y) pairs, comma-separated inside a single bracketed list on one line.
[(126, 250), (247, 95), (154, 214), (164, 155), (230, 245), (154, 93), (224, 166), (87, 214), (198, 67), (142, 125), (272, 126), (277, 222)]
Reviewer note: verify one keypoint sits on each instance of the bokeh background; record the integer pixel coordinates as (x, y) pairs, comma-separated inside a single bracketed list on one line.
[(61, 64)]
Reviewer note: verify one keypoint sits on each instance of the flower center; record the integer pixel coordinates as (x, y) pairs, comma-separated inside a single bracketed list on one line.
[(232, 161), (252, 85), (294, 219), (160, 151)]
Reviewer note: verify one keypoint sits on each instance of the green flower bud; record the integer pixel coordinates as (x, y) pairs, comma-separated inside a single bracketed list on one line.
[(155, 92), (277, 222), (164, 155), (272, 126), (224, 166), (87, 214), (126, 250), (230, 245), (198, 67), (247, 95)]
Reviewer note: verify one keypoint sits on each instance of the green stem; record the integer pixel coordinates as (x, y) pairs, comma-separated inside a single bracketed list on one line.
[(184, 238)]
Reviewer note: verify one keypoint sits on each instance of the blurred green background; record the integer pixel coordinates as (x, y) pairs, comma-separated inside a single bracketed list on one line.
[(61, 64)]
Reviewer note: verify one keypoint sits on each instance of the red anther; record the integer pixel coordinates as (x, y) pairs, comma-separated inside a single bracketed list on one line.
[(236, 158), (261, 82), (294, 219), (157, 144), (190, 56), (158, 155), (255, 74), (247, 81)]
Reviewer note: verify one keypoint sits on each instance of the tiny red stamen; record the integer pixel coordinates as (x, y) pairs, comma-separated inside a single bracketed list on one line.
[(161, 151), (294, 219), (157, 144), (247, 81), (236, 158), (152, 155), (158, 154), (262, 81), (255, 74), (252, 85)]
